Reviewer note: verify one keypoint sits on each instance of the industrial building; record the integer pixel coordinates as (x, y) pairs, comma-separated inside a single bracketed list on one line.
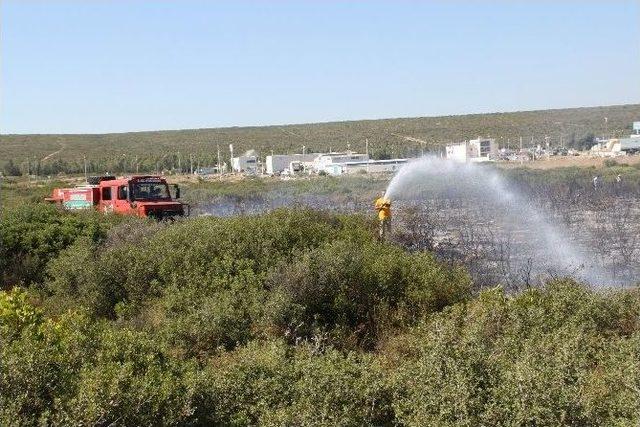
[(618, 146), (246, 164), (280, 163), (211, 170), (329, 162), (373, 166), (475, 150)]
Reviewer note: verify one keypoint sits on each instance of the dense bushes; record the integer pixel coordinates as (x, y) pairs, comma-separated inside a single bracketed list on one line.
[(31, 235), (297, 318), (360, 290), (559, 356), (298, 274)]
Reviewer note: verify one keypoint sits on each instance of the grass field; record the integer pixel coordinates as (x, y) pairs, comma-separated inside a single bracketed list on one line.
[(123, 152)]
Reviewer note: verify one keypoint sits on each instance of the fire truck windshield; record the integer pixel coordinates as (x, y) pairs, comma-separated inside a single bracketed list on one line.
[(143, 190)]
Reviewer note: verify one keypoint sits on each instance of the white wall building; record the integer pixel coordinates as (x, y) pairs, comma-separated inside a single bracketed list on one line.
[(458, 152), (278, 163), (322, 162), (617, 147), (475, 150), (373, 166), (247, 164)]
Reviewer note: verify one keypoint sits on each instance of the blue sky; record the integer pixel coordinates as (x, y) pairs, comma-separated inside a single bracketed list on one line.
[(113, 66)]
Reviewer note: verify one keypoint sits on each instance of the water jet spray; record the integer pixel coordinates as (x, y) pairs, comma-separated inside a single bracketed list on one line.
[(557, 255)]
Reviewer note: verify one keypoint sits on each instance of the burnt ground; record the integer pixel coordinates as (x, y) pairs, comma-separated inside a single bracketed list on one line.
[(496, 245)]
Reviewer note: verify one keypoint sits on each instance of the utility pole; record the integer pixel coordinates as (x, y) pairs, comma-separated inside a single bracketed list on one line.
[(137, 166), (219, 167), (84, 159), (179, 163), (520, 154), (191, 163), (546, 143), (366, 147), (534, 148), (304, 150)]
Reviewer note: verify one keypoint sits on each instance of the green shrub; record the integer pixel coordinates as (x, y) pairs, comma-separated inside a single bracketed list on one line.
[(299, 318), (211, 254), (337, 389), (274, 384), (74, 372), (39, 359), (609, 163), (558, 356), (355, 291), (246, 386), (31, 235), (131, 381)]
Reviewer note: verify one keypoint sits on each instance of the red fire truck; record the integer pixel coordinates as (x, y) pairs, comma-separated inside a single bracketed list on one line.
[(145, 196)]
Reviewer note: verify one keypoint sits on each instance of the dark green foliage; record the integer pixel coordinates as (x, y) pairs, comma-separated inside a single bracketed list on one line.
[(31, 235), (584, 143), (10, 169), (72, 371), (274, 384), (238, 279), (296, 317), (559, 356), (609, 163), (358, 290)]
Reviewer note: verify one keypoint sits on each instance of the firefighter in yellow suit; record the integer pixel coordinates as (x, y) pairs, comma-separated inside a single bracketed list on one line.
[(383, 206)]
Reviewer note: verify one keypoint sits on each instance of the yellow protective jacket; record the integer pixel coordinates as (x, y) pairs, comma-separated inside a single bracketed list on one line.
[(383, 206)]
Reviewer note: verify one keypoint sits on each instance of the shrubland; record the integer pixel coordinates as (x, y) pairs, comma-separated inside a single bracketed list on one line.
[(179, 150), (294, 317)]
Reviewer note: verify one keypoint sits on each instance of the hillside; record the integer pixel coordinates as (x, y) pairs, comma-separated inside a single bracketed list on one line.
[(166, 149)]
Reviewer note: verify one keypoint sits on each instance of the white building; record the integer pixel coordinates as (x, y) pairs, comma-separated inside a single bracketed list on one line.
[(281, 162), (475, 150), (617, 147), (211, 170), (373, 166), (246, 164), (322, 162)]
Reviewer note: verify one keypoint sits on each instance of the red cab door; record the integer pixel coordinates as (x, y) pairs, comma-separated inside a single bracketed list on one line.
[(122, 202)]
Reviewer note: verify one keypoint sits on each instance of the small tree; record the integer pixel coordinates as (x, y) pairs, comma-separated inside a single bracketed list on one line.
[(10, 169)]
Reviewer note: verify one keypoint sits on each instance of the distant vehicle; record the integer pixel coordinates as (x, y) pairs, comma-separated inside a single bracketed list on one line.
[(143, 196)]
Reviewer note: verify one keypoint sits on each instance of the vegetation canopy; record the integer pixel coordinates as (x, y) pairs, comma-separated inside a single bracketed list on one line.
[(293, 317)]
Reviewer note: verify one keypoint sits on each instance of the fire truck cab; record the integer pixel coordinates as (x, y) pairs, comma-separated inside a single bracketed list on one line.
[(144, 196)]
